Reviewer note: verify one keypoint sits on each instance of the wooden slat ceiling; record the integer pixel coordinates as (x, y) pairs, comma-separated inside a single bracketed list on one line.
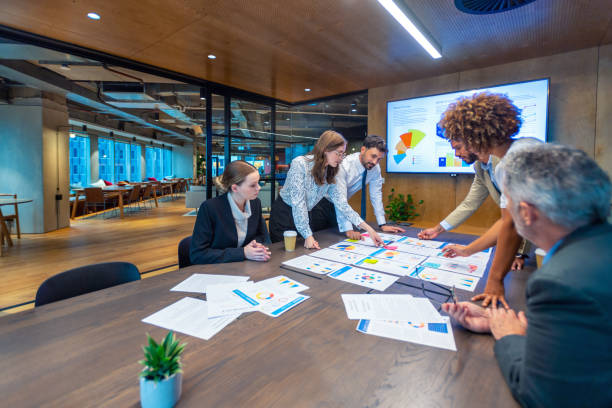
[(278, 48)]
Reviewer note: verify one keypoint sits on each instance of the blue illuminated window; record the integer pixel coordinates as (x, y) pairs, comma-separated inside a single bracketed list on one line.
[(79, 161), (105, 158)]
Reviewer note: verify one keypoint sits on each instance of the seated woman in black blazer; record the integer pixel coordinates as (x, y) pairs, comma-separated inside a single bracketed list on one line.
[(230, 228)]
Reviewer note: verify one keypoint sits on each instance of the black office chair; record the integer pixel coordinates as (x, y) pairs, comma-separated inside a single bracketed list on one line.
[(85, 279), (183, 252)]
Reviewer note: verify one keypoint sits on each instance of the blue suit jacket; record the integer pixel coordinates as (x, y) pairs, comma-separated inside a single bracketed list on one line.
[(565, 360), (215, 239)]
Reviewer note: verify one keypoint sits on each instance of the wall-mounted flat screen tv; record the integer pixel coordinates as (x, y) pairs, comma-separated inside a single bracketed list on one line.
[(415, 147)]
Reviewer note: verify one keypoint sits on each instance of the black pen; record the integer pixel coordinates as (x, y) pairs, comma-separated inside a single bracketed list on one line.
[(453, 295)]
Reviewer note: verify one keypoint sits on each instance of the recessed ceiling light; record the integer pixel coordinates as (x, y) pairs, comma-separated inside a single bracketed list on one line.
[(93, 16), (307, 89), (353, 110), (212, 56), (72, 135)]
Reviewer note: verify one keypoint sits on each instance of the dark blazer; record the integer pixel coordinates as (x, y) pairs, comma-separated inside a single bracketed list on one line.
[(215, 239), (565, 360)]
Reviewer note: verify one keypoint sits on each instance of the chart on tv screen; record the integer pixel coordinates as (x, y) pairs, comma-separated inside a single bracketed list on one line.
[(415, 147)]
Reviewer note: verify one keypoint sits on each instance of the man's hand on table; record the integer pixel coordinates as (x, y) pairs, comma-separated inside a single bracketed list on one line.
[(506, 322), (469, 315)]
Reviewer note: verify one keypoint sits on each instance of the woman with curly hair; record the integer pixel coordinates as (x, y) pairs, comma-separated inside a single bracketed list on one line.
[(302, 206), (485, 124)]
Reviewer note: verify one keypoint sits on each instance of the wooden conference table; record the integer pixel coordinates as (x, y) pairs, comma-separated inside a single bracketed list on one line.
[(84, 351), (112, 191)]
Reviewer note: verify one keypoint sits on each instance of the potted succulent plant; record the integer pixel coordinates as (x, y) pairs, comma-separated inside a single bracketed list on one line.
[(161, 378)]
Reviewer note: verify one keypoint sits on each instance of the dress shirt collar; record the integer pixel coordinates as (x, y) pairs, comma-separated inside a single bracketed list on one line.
[(236, 213)]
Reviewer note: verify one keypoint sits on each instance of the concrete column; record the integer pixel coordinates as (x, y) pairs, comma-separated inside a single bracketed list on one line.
[(143, 161), (34, 158), (94, 159)]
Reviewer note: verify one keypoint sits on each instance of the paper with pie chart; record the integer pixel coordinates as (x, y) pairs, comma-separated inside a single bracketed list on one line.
[(417, 249), (307, 263), (438, 335), (363, 277), (353, 248), (397, 256), (367, 242), (274, 295), (386, 236), (446, 278), (378, 264), (424, 243)]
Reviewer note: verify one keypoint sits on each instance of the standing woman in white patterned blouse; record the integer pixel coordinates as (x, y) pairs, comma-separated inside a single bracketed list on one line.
[(310, 179)]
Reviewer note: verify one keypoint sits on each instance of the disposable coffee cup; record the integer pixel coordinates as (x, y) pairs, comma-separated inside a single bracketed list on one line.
[(540, 254), (290, 237)]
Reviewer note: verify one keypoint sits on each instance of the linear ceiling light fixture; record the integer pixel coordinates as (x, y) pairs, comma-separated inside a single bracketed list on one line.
[(93, 16), (412, 29)]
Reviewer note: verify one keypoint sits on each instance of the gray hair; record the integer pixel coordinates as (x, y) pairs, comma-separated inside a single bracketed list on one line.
[(561, 181)]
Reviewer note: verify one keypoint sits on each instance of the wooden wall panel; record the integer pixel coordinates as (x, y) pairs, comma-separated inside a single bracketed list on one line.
[(573, 109)]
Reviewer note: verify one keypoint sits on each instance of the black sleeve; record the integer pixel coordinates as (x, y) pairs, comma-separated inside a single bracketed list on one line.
[(261, 235), (203, 237)]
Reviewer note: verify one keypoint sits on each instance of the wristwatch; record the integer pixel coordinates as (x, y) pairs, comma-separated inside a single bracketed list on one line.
[(522, 256)]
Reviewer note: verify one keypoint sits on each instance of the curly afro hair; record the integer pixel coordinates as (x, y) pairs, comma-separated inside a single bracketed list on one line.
[(481, 121)]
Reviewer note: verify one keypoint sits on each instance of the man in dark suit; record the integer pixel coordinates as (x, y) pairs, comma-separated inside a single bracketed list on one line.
[(558, 353)]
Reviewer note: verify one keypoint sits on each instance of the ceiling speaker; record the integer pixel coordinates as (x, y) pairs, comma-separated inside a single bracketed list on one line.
[(489, 6)]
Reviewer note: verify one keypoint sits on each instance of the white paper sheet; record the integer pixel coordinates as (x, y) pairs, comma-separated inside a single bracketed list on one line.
[(366, 242), (353, 248), (385, 236), (446, 278), (438, 335), (423, 243), (362, 277), (282, 283), (189, 316), (417, 250), (457, 265), (275, 295), (197, 282), (225, 299), (386, 266), (390, 307), (312, 264), (337, 256), (278, 306)]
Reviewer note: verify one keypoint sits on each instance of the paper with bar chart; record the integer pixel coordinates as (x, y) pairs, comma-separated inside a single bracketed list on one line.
[(436, 334), (445, 278), (307, 263), (362, 277), (394, 267)]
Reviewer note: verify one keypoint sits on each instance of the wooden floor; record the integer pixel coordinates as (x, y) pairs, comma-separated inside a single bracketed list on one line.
[(148, 240)]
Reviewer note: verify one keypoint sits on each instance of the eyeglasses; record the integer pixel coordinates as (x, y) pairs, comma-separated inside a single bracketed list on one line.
[(339, 155)]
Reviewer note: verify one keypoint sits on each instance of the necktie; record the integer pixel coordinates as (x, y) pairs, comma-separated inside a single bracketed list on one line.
[(363, 195)]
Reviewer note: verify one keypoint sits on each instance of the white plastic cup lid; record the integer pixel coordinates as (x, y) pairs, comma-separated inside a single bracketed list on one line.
[(289, 233), (540, 252)]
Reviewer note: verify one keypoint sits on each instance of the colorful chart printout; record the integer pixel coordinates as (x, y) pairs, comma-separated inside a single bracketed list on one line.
[(353, 248), (438, 335), (386, 266), (307, 263), (363, 277), (457, 265), (446, 278), (397, 256), (338, 256)]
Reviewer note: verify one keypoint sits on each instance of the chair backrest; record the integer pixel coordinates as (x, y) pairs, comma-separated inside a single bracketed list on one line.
[(135, 193), (94, 195), (85, 279), (183, 252), (146, 194)]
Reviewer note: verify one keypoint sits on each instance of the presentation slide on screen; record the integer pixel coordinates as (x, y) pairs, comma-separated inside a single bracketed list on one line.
[(414, 146)]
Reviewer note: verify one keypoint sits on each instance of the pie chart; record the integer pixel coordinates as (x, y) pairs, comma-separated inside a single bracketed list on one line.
[(408, 140)]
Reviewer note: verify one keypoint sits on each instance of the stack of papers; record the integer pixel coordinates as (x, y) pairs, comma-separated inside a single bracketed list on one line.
[(307, 263), (228, 297), (400, 317)]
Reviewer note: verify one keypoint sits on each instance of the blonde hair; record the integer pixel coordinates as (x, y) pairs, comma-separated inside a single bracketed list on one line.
[(235, 173), (328, 141)]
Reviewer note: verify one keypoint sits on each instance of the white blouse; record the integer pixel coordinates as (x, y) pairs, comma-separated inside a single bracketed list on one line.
[(301, 193), (240, 218)]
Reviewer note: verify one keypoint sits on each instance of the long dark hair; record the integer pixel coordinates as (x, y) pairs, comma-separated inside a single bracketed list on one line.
[(328, 141)]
